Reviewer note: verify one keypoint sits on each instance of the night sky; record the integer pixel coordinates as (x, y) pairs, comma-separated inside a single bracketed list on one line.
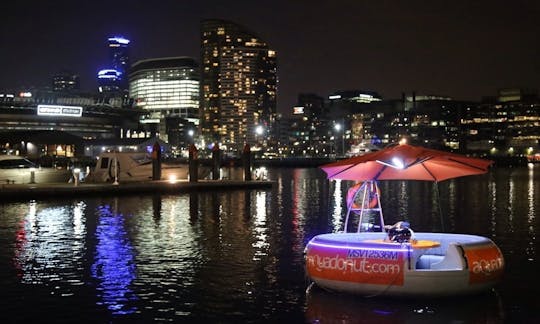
[(462, 49)]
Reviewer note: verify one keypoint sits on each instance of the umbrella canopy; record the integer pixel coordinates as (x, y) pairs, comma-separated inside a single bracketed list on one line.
[(406, 162)]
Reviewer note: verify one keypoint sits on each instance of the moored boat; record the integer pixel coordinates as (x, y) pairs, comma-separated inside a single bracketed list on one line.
[(137, 166), (396, 261), (431, 264)]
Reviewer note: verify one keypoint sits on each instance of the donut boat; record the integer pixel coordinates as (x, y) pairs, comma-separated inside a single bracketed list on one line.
[(427, 264), (377, 259)]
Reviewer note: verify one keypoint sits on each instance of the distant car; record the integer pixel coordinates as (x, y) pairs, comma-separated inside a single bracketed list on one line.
[(17, 169)]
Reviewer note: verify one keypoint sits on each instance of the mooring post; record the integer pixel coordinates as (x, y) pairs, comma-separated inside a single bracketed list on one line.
[(156, 162), (246, 161), (216, 161), (193, 163)]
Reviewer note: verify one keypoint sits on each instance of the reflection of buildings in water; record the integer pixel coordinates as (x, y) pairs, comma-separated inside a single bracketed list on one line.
[(328, 307), (193, 207), (451, 206), (156, 208), (114, 265), (337, 224), (438, 221), (403, 198), (492, 203), (168, 251), (50, 242), (300, 190), (531, 214), (260, 227), (236, 229), (511, 198)]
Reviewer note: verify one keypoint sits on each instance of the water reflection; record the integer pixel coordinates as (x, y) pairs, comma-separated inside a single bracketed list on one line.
[(328, 307), (337, 212), (114, 265), (49, 246), (451, 211), (260, 230), (531, 215), (237, 256)]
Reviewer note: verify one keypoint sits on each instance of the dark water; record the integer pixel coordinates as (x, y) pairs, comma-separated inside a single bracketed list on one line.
[(237, 256)]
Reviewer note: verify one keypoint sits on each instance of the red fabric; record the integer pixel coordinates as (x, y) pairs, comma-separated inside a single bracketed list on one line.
[(419, 164)]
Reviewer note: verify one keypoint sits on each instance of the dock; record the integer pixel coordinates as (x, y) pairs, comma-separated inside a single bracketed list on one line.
[(61, 190)]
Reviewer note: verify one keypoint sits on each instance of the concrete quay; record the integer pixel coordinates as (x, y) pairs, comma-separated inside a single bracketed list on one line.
[(60, 190)]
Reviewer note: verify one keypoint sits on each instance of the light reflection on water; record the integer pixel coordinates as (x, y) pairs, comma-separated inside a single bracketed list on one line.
[(237, 256), (337, 213), (531, 215), (114, 265), (45, 236)]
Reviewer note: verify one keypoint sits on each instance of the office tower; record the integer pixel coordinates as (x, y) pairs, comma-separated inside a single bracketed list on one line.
[(238, 85), (119, 53), (168, 88), (114, 77)]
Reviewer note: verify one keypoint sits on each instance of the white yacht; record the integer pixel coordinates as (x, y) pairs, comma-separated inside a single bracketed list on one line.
[(137, 166)]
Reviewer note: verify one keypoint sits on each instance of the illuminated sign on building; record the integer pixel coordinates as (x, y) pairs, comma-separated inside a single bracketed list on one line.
[(298, 110), (54, 110), (150, 121)]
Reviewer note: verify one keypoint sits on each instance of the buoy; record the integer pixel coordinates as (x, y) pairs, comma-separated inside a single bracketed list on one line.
[(372, 196)]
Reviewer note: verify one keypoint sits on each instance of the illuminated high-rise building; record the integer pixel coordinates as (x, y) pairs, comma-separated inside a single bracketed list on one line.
[(168, 88), (119, 53), (238, 85), (114, 78)]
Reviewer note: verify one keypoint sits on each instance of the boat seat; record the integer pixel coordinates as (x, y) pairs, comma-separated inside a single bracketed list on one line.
[(425, 261), (453, 259)]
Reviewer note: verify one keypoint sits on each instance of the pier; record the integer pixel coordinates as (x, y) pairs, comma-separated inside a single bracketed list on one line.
[(62, 190)]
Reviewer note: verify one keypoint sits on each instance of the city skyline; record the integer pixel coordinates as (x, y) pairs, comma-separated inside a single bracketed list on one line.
[(460, 50)]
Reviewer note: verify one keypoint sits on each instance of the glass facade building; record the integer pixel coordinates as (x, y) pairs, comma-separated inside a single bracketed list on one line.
[(238, 87), (167, 88)]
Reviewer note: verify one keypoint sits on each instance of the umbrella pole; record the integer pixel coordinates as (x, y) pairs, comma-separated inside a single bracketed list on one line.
[(379, 206), (439, 203), (349, 207), (365, 186)]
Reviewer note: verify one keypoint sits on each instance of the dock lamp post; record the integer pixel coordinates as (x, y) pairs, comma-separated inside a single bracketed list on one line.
[(76, 173), (32, 175)]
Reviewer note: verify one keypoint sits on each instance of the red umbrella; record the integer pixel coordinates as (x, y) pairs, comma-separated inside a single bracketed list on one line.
[(406, 162), (400, 162)]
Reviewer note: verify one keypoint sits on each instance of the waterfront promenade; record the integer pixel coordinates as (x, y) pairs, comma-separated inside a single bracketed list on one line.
[(57, 190)]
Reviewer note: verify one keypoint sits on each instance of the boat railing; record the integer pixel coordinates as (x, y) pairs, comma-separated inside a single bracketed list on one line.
[(363, 200)]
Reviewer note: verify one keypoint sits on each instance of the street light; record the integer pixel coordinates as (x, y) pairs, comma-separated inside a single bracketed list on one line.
[(190, 134), (259, 130)]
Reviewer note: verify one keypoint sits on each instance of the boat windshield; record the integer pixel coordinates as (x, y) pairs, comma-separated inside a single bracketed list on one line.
[(21, 163)]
